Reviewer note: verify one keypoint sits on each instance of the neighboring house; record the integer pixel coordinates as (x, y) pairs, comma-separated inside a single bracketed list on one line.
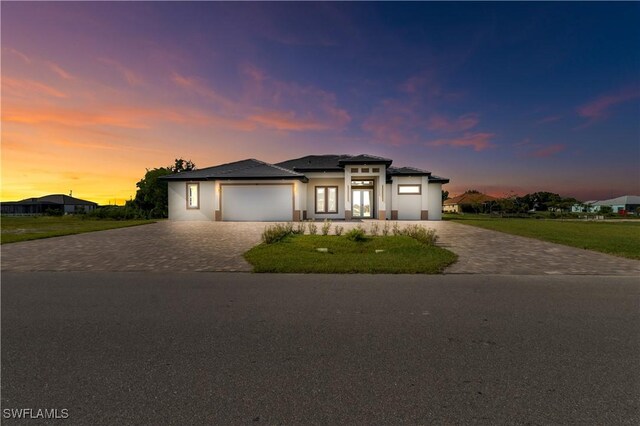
[(468, 202), (312, 187), (623, 204), (55, 202)]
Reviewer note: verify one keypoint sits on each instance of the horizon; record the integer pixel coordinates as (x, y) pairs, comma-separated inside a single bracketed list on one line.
[(500, 97)]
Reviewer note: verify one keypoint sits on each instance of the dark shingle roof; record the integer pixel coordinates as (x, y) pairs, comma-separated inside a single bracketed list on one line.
[(59, 199), (330, 162), (366, 159), (470, 198), (407, 171), (245, 169), (438, 179)]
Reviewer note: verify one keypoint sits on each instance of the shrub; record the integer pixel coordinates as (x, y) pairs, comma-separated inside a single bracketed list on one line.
[(356, 234), (313, 228), (300, 228), (374, 229), (425, 236), (396, 228), (385, 229), (274, 233), (326, 227), (338, 230)]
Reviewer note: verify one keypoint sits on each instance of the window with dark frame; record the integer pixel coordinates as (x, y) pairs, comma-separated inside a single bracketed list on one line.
[(375, 170), (365, 170), (193, 195), (354, 170), (326, 199)]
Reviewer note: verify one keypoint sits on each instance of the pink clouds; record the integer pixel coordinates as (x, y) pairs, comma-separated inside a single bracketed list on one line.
[(21, 87), (547, 151), (443, 124), (477, 141), (59, 71), (392, 122), (599, 108), (127, 74)]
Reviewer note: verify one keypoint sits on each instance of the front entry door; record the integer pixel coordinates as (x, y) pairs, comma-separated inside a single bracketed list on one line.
[(362, 206)]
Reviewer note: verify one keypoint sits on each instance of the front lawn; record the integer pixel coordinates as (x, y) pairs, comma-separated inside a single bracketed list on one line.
[(299, 254), (616, 238), (25, 228)]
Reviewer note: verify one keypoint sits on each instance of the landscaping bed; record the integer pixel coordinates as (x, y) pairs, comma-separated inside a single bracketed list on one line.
[(363, 254)]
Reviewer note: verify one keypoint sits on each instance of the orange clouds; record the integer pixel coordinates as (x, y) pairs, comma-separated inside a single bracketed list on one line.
[(127, 74)]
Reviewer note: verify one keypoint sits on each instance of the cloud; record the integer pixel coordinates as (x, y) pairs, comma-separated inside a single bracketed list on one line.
[(393, 123), (599, 108), (22, 87), (200, 88), (58, 70), (477, 141), (547, 151), (127, 74), (441, 123), (17, 53), (549, 119)]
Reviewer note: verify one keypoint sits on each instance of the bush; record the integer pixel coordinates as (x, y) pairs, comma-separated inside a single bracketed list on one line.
[(356, 234), (385, 229), (374, 229), (396, 228), (326, 227), (425, 236), (313, 228), (274, 233), (338, 230), (116, 213), (300, 228)]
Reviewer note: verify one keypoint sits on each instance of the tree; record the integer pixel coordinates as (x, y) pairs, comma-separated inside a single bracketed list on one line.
[(445, 195), (152, 195), (471, 191), (605, 210)]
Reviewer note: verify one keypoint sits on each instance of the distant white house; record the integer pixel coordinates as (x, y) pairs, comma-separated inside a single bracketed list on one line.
[(625, 203)]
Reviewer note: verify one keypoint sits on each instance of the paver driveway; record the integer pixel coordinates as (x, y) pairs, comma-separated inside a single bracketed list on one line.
[(218, 246)]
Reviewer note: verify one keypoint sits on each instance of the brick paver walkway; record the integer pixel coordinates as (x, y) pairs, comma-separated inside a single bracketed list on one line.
[(218, 246)]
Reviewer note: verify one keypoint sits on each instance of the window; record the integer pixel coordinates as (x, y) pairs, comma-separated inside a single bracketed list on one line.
[(193, 195), (354, 170), (375, 170), (409, 189), (326, 199)]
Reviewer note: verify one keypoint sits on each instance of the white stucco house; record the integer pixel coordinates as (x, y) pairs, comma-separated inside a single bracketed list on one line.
[(313, 187)]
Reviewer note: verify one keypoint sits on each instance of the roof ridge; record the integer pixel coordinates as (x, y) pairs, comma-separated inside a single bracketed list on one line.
[(278, 167)]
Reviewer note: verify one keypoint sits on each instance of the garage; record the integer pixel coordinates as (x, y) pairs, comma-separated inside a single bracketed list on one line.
[(256, 202)]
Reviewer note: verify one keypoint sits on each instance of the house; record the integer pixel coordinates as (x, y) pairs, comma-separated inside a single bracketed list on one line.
[(623, 205), (55, 202), (313, 187), (468, 202)]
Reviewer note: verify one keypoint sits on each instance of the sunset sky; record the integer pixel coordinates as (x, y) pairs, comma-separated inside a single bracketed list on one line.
[(498, 97)]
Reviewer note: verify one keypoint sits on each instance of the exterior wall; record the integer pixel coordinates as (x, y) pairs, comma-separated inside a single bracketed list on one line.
[(311, 197), (434, 203), (178, 202), (407, 206)]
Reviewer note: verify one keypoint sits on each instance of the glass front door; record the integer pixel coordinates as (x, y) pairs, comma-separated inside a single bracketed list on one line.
[(362, 205)]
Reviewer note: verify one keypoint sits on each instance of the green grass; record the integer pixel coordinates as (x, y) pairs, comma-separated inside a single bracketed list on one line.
[(616, 238), (25, 228), (298, 254)]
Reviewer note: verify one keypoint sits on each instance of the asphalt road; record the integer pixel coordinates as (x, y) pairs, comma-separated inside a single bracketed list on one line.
[(218, 348)]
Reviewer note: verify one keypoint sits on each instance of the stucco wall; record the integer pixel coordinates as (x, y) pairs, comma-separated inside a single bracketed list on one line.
[(434, 202), (408, 206), (178, 202)]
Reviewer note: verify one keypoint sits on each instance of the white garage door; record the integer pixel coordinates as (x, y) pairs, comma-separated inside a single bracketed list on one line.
[(257, 202)]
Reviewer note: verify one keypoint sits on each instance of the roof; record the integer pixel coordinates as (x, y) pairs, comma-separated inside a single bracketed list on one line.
[(244, 169), (365, 159), (407, 171), (469, 198), (315, 163), (55, 199), (619, 201), (438, 179)]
